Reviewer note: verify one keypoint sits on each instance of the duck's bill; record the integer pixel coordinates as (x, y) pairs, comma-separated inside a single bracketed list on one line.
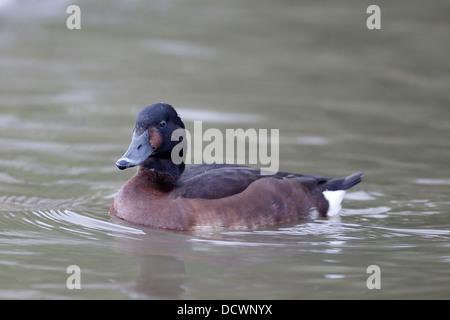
[(138, 151)]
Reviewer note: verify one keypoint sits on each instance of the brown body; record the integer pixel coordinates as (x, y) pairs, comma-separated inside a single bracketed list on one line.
[(266, 201)]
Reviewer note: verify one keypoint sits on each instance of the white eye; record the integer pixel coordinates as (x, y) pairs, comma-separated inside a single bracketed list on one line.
[(162, 124)]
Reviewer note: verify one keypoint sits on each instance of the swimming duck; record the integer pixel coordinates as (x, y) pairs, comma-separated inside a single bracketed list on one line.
[(167, 195)]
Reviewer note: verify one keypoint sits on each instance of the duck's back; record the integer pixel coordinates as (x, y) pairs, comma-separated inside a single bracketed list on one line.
[(217, 181)]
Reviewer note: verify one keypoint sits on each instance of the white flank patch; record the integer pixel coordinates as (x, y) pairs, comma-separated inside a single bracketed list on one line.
[(334, 200)]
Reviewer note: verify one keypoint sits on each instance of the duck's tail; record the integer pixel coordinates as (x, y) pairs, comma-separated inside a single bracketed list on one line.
[(343, 183), (334, 191)]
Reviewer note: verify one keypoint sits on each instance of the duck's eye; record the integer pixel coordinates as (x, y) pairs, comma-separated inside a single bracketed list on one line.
[(162, 124)]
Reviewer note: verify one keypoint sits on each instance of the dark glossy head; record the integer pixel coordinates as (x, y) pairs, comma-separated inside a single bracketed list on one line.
[(152, 135)]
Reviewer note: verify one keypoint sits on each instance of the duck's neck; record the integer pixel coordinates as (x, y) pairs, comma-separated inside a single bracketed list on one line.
[(161, 172)]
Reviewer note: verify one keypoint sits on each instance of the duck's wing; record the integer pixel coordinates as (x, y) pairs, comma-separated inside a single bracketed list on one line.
[(215, 181), (223, 180)]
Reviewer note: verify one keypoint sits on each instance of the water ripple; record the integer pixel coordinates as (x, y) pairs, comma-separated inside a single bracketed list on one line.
[(34, 220)]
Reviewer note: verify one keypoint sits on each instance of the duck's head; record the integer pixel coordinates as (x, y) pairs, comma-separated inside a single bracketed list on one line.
[(152, 136)]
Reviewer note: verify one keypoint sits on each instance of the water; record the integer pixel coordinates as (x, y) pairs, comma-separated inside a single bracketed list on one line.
[(344, 98)]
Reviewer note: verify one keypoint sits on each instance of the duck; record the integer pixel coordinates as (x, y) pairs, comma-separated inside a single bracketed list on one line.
[(169, 195)]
